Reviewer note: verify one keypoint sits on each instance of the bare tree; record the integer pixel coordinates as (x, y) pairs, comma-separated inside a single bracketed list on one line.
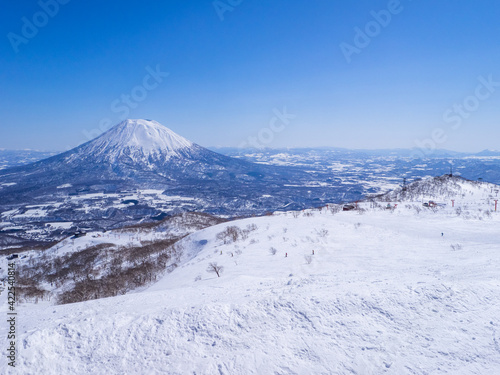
[(230, 234), (323, 232), (215, 268)]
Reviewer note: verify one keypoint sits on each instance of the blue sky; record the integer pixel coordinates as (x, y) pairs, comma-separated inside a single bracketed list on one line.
[(423, 72)]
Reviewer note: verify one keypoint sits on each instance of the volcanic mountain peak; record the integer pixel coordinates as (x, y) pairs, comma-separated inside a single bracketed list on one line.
[(145, 135)]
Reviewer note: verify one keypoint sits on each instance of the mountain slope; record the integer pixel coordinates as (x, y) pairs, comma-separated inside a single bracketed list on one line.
[(383, 293), (132, 151), (443, 188)]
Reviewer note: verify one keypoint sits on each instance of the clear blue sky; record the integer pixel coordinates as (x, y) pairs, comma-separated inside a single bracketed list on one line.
[(227, 77)]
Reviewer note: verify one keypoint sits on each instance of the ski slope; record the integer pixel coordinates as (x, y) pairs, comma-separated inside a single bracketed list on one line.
[(400, 291)]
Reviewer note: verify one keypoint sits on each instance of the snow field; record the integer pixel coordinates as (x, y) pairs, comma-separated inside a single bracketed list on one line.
[(384, 293)]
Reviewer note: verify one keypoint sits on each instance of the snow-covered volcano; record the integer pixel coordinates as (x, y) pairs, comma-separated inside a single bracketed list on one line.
[(133, 151), (136, 139), (137, 150), (144, 155)]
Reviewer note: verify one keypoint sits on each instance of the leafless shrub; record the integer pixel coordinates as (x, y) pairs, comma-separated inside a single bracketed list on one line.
[(106, 270), (31, 293), (215, 268), (323, 232), (230, 234), (456, 247), (273, 251), (116, 265), (335, 208), (308, 259), (198, 220), (147, 250), (113, 284), (251, 227), (98, 271)]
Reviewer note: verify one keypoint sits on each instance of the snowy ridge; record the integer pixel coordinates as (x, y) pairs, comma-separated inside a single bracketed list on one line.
[(443, 188)]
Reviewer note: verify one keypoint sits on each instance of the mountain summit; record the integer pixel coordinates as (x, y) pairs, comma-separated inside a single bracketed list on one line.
[(137, 137), (136, 146), (140, 151)]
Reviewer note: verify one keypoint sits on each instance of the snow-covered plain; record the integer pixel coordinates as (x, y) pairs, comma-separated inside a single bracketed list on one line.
[(409, 290)]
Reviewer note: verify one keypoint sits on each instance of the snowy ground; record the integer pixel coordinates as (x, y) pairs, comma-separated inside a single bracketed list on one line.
[(384, 293)]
